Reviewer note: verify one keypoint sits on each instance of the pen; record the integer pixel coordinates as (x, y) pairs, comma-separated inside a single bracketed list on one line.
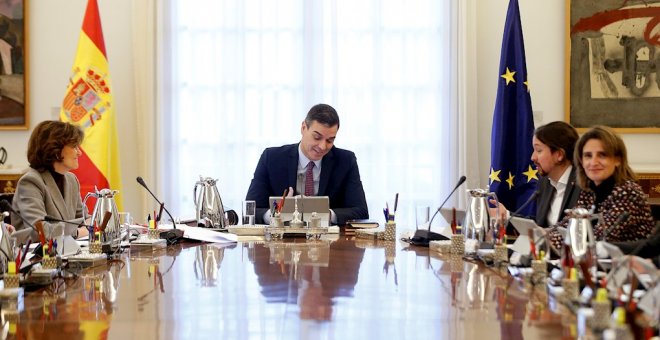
[(281, 204), (27, 247), (160, 213), (396, 201), (502, 231)]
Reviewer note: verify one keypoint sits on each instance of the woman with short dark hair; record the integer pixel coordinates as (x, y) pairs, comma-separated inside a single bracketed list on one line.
[(48, 187)]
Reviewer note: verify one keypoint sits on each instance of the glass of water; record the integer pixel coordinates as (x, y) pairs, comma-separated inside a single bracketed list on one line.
[(249, 211)]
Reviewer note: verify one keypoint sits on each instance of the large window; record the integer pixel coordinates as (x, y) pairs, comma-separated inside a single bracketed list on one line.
[(240, 75)]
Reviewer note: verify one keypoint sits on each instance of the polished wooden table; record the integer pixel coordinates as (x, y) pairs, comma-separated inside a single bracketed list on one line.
[(342, 289)]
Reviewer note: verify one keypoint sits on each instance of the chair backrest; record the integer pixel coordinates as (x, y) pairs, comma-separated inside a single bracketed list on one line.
[(8, 198)]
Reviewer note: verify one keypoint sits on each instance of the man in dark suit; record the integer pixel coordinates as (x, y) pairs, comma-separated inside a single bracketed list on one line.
[(547, 194), (553, 145), (314, 167)]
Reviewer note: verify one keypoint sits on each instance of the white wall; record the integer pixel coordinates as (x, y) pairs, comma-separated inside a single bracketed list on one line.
[(53, 31), (544, 31), (54, 27)]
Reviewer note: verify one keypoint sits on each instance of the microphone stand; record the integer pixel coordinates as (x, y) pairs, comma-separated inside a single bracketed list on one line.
[(49, 218), (174, 235), (423, 237), (516, 213)]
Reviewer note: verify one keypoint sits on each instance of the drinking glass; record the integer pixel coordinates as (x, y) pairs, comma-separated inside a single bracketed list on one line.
[(249, 211), (422, 216)]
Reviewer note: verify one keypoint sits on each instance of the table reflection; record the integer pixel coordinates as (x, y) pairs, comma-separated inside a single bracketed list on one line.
[(293, 288), (304, 273)]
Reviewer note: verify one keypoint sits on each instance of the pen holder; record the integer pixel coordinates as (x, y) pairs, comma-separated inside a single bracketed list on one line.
[(11, 281), (602, 312), (458, 244), (276, 222), (390, 231), (95, 248), (501, 253), (49, 263), (539, 270), (571, 288), (153, 234)]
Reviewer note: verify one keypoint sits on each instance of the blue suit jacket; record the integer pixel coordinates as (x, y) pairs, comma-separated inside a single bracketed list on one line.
[(340, 181)]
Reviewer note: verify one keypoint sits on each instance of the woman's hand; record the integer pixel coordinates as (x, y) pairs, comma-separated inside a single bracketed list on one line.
[(10, 228)]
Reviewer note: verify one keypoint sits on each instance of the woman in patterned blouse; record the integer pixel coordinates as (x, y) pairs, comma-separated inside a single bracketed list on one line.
[(608, 188)]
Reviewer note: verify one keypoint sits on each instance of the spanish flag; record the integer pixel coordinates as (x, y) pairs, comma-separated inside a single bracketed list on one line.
[(88, 103)]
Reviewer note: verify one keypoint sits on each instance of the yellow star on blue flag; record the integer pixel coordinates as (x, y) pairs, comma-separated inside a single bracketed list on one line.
[(494, 175), (508, 76), (531, 173), (510, 180)]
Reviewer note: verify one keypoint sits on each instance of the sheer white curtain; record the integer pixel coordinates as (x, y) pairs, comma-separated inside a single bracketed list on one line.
[(240, 75)]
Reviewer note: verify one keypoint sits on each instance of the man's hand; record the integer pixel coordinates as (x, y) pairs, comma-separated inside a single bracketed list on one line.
[(504, 214)]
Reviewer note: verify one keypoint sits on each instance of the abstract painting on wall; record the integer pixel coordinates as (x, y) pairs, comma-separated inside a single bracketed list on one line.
[(613, 64), (13, 66)]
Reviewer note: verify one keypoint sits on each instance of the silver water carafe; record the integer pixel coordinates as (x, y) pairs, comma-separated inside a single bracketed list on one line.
[(105, 203), (478, 221), (210, 212), (579, 234)]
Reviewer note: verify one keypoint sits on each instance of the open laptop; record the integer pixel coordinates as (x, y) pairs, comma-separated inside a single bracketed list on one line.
[(306, 206), (523, 225)]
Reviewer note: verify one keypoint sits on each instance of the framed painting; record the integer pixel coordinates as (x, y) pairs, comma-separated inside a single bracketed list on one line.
[(613, 64), (14, 113)]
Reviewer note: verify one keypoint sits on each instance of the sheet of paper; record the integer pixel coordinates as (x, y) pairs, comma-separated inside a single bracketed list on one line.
[(202, 234)]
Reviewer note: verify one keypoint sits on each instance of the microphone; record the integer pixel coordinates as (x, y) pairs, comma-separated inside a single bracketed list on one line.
[(460, 181), (531, 199), (423, 237), (174, 235), (620, 220)]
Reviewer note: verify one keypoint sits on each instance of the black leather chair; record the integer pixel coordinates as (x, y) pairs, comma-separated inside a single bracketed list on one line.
[(8, 198)]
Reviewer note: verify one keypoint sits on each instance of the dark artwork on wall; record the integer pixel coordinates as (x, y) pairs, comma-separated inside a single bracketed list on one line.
[(13, 65), (613, 64)]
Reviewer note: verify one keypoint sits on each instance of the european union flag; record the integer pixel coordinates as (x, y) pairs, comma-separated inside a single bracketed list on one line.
[(512, 175)]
